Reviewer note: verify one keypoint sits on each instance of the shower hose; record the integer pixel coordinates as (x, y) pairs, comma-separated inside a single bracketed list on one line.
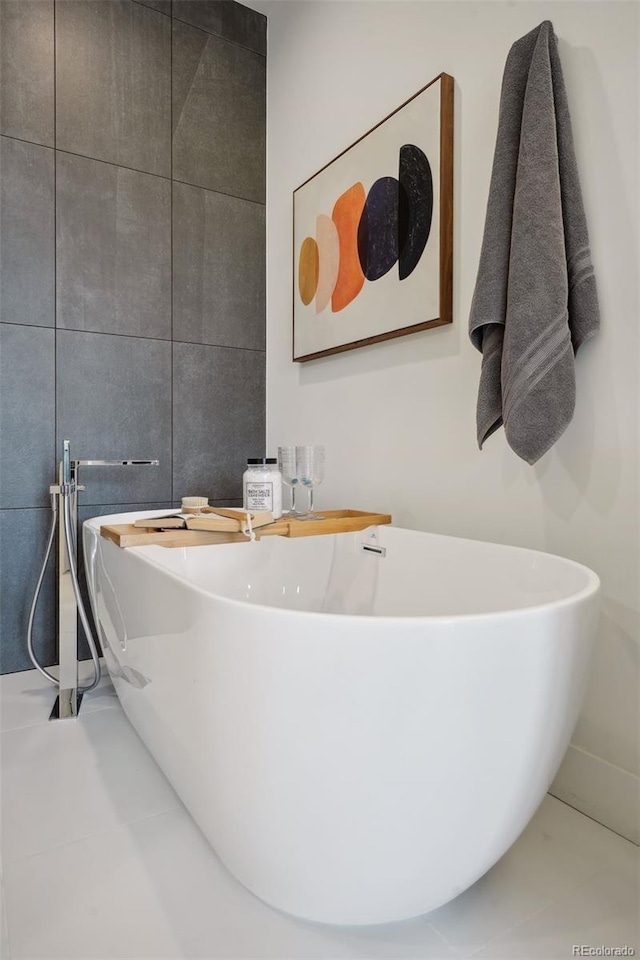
[(70, 539)]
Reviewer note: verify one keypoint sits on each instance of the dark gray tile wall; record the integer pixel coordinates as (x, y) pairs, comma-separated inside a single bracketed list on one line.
[(132, 316), (113, 83), (27, 414), (26, 70), (219, 111), (116, 404), (226, 19), (228, 415), (27, 234), (23, 541), (114, 249), (164, 6), (218, 268)]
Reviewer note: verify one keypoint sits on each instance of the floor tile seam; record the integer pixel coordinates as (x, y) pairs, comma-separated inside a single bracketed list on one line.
[(16, 861), (608, 763), (38, 723), (442, 937), (587, 816), (23, 726), (572, 887), (9, 731)]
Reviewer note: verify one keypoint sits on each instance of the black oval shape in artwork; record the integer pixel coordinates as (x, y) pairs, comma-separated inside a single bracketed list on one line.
[(414, 219), (378, 229)]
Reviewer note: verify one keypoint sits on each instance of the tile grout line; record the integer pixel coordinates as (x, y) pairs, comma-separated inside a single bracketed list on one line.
[(196, 186), (565, 895), (170, 505), (133, 336), (593, 819), (39, 723), (55, 249), (442, 937), (56, 558), (218, 36), (155, 9), (33, 143), (98, 833), (172, 358), (145, 173)]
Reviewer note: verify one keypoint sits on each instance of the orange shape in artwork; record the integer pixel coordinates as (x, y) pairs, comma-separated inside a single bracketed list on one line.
[(346, 216), (308, 267), (329, 253)]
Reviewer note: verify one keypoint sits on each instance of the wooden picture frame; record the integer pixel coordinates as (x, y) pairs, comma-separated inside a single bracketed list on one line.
[(373, 232)]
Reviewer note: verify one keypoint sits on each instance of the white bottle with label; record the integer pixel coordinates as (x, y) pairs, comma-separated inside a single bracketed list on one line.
[(262, 486)]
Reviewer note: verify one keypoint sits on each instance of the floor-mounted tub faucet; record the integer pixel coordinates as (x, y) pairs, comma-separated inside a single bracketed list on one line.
[(64, 512)]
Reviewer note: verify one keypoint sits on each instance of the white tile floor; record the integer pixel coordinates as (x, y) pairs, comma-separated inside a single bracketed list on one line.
[(102, 861)]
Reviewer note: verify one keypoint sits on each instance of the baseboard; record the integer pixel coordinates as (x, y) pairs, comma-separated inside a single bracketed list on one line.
[(600, 790)]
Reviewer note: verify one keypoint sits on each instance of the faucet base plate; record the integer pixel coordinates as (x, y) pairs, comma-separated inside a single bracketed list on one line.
[(67, 705)]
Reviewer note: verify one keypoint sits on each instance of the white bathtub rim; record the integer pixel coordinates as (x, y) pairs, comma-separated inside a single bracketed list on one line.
[(591, 588)]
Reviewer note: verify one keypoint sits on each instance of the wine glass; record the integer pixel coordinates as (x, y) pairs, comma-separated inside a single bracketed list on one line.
[(310, 471), (288, 469)]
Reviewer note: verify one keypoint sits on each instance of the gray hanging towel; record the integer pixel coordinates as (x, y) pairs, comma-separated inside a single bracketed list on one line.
[(535, 300)]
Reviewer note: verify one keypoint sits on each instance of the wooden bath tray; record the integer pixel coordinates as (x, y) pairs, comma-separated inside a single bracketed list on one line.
[(336, 521)]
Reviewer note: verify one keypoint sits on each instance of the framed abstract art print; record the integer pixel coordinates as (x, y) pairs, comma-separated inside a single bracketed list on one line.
[(373, 232)]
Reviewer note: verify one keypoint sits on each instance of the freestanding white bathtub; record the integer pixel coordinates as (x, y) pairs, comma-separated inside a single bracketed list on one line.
[(360, 737)]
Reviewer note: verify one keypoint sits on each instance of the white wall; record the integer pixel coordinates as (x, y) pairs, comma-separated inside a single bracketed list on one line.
[(398, 418)]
